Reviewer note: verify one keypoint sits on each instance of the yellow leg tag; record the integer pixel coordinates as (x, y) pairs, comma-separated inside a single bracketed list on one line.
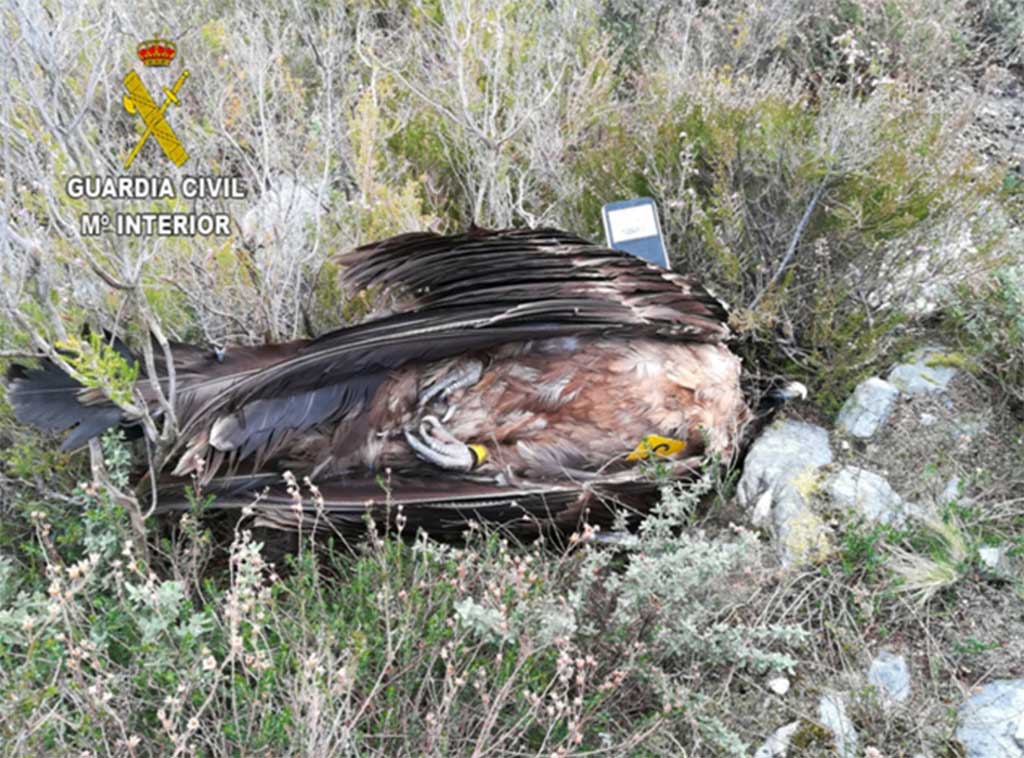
[(663, 447), (479, 453)]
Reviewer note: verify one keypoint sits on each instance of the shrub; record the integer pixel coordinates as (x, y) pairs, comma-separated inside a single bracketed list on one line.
[(101, 366), (828, 224), (1002, 22), (402, 647), (989, 320)]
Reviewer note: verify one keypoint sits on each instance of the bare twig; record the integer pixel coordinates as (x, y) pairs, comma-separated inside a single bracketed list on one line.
[(128, 501), (795, 241)]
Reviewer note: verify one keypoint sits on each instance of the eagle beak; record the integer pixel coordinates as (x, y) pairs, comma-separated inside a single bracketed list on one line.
[(781, 395), (795, 391)]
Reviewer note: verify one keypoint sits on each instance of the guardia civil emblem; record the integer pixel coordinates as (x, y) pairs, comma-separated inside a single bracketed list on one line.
[(155, 53)]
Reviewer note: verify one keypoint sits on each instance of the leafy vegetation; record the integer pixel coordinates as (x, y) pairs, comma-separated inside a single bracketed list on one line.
[(989, 318), (396, 647)]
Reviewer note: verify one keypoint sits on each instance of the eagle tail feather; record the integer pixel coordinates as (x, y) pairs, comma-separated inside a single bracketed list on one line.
[(47, 398)]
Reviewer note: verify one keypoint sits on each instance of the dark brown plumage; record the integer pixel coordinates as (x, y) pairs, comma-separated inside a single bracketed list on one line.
[(512, 378)]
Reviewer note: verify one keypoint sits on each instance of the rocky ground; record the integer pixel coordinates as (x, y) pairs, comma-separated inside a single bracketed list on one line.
[(918, 481)]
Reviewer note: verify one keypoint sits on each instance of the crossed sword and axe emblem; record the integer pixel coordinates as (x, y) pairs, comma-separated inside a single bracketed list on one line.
[(137, 100)]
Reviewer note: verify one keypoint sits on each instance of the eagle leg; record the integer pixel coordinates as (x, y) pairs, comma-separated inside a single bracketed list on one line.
[(436, 445), (466, 376)]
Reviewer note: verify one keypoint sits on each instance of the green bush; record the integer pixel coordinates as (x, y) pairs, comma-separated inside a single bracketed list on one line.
[(1002, 21), (824, 221), (400, 647), (989, 320)]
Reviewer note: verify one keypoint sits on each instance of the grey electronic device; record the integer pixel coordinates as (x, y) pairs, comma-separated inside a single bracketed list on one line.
[(633, 226)]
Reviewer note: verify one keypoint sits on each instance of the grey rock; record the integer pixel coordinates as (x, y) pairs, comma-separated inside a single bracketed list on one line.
[(779, 472), (996, 560), (890, 675), (868, 408), (918, 377), (832, 715), (867, 493), (779, 685), (780, 455), (992, 721), (951, 492), (801, 537), (761, 513), (777, 745)]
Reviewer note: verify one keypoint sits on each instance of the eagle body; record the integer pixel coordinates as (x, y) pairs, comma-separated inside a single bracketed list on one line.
[(515, 375), (544, 410)]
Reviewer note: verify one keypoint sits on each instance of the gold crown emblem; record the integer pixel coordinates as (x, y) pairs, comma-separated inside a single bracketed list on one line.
[(156, 52)]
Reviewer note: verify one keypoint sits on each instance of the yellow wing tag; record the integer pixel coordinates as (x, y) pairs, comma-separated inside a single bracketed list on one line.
[(663, 447)]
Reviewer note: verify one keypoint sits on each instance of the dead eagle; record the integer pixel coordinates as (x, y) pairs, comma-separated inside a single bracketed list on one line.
[(522, 377)]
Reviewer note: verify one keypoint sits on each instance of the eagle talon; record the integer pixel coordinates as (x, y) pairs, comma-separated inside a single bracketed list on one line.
[(466, 376), (436, 445), (449, 413)]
